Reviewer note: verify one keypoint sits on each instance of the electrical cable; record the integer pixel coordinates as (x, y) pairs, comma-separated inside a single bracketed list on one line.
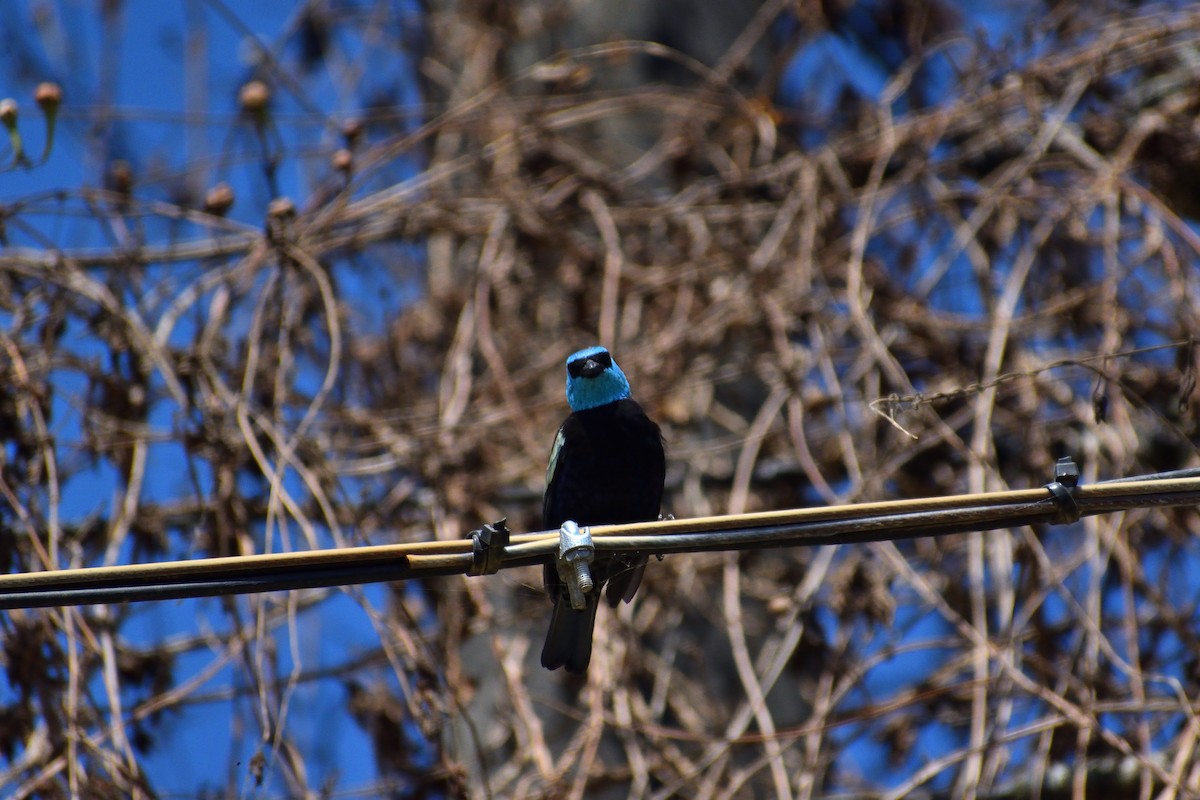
[(863, 522)]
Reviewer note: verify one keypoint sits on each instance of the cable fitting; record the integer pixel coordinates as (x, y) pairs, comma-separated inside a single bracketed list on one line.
[(1062, 491), (487, 548), (575, 552)]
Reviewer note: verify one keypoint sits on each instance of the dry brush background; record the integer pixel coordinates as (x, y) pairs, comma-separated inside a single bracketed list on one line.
[(939, 292)]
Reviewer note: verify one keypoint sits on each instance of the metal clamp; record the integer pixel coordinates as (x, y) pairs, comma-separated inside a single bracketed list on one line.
[(487, 548), (575, 552), (1062, 491)]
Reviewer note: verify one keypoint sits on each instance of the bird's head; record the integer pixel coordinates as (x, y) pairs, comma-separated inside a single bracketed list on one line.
[(594, 379)]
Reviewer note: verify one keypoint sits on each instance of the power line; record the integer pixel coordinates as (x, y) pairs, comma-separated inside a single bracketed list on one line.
[(1057, 502)]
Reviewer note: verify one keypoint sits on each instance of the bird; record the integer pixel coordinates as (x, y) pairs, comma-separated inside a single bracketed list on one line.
[(607, 466)]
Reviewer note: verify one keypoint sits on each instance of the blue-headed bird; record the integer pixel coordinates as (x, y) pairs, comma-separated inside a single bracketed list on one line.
[(607, 466)]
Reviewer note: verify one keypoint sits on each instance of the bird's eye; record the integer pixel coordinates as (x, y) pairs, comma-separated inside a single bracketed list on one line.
[(575, 367)]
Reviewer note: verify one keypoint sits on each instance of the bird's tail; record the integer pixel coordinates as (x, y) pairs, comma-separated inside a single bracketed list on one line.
[(569, 641)]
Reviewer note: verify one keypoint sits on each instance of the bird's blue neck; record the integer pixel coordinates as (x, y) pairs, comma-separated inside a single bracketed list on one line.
[(607, 387)]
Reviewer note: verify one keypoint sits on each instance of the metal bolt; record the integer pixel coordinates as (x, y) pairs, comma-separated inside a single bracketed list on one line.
[(583, 576), (575, 552)]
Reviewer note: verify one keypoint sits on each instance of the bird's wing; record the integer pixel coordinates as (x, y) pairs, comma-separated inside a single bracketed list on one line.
[(555, 451), (553, 513), (552, 474), (567, 480)]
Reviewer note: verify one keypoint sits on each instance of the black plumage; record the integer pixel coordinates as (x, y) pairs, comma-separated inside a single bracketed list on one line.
[(607, 466)]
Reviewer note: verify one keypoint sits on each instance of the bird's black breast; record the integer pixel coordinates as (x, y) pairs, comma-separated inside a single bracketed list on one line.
[(608, 467)]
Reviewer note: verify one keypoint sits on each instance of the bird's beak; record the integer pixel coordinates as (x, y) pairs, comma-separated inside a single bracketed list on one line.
[(591, 368)]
